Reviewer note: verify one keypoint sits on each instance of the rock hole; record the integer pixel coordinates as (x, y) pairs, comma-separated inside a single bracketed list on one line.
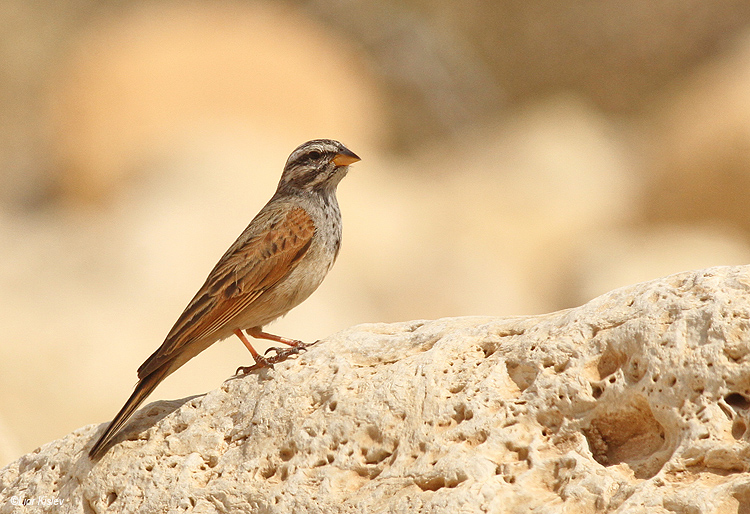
[(374, 433), (610, 361), (367, 473), (457, 388), (268, 472), (737, 401), (375, 455), (735, 352), (636, 369), (332, 405), (596, 391), (462, 413), (629, 434), (522, 374), (434, 483), (111, 498), (521, 452), (738, 428), (286, 454), (742, 495)]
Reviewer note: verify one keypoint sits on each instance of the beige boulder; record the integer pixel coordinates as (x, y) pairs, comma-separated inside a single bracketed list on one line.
[(164, 83), (696, 152), (637, 401)]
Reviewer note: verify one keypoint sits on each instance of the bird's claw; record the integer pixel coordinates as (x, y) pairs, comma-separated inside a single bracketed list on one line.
[(281, 354), (260, 362), (244, 370)]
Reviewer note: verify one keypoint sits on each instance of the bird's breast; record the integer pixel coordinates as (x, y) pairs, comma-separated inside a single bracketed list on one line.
[(309, 272)]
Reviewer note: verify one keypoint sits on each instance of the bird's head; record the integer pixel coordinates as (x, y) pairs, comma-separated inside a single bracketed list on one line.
[(318, 165)]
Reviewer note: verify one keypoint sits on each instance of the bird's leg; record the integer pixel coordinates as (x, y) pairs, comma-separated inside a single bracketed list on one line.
[(259, 334), (260, 361), (295, 346)]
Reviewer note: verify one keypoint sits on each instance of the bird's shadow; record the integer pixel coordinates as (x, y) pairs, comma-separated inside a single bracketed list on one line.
[(148, 416), (143, 419)]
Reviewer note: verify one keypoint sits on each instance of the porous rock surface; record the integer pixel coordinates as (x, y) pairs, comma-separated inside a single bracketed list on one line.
[(638, 401)]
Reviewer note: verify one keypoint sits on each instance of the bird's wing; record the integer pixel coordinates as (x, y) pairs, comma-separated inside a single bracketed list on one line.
[(253, 264)]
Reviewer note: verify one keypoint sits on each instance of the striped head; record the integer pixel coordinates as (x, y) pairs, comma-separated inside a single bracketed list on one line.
[(318, 165)]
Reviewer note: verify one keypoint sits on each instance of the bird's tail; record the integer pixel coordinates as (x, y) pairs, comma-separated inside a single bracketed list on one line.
[(144, 387)]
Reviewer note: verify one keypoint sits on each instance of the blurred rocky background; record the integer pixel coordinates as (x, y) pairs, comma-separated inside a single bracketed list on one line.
[(517, 158)]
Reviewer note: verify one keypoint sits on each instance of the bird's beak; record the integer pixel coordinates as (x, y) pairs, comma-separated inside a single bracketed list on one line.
[(345, 157)]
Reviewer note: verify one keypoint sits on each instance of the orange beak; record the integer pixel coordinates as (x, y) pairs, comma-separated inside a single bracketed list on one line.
[(345, 158)]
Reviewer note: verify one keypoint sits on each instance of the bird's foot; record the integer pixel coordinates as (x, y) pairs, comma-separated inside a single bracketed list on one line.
[(283, 353), (260, 362)]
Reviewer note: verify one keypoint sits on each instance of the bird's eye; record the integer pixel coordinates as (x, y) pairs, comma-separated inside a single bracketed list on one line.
[(314, 155)]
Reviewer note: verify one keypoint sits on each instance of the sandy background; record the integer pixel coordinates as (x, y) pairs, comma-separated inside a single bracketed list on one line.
[(516, 159)]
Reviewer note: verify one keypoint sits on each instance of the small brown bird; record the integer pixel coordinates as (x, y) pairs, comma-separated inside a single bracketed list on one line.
[(275, 264)]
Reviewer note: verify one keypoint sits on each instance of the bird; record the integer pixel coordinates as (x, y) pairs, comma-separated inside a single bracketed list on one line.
[(274, 265)]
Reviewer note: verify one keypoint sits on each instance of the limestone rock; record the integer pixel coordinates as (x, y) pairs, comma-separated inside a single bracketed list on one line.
[(638, 401)]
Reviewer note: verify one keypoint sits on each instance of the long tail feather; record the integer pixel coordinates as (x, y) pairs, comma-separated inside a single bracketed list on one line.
[(144, 387)]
